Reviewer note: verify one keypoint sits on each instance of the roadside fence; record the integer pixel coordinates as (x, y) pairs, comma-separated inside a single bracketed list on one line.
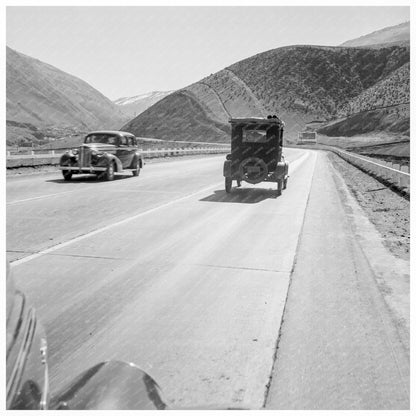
[(33, 158), (393, 173)]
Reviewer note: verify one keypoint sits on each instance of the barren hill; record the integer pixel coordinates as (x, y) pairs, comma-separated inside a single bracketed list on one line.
[(43, 95), (299, 83), (392, 90), (392, 34), (385, 106), (179, 116)]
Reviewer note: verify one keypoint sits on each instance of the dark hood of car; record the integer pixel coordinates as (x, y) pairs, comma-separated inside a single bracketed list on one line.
[(110, 385)]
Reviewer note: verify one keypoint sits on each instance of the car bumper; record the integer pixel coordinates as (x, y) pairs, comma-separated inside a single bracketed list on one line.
[(90, 169)]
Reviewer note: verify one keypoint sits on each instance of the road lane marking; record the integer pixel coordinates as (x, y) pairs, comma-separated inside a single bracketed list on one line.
[(254, 269), (58, 246), (85, 189), (144, 191), (108, 227), (38, 197)]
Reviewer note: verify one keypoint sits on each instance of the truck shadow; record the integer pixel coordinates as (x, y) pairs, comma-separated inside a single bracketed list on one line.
[(241, 196)]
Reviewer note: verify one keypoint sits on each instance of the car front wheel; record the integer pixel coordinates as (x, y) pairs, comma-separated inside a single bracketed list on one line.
[(67, 174), (109, 173)]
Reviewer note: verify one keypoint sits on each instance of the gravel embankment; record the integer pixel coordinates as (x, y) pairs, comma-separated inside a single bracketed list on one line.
[(386, 209)]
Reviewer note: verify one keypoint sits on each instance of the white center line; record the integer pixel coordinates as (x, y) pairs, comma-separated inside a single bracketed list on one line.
[(107, 227), (38, 197)]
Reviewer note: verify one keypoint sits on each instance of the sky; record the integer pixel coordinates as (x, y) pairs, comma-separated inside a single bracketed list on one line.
[(125, 51)]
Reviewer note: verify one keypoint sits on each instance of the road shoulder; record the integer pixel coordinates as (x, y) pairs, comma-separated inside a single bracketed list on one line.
[(339, 346)]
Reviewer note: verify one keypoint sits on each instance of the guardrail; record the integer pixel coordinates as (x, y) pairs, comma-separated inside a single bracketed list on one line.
[(396, 177), (52, 158), (19, 151)]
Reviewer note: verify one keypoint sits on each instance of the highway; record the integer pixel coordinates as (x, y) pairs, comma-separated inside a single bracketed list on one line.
[(168, 271)]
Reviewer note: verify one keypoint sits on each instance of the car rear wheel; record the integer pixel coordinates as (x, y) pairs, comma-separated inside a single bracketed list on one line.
[(228, 184), (136, 168), (109, 173)]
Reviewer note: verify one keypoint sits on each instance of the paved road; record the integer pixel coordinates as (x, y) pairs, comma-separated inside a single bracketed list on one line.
[(164, 270)]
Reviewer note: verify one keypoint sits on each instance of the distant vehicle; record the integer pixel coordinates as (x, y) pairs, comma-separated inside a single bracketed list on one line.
[(256, 153), (104, 153), (307, 137)]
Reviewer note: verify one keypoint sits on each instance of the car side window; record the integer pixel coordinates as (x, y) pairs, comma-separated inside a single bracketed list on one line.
[(130, 141), (123, 141)]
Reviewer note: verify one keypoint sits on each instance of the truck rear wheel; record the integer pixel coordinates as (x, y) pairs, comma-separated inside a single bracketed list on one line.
[(228, 184), (279, 187), (285, 183)]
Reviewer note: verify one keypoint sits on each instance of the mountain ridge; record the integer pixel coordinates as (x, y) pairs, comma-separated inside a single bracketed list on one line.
[(386, 35), (300, 83), (42, 94)]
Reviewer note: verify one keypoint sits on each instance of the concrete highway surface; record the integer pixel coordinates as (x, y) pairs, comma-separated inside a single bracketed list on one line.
[(168, 271)]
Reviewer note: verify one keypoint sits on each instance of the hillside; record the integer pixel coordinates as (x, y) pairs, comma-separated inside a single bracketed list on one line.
[(299, 83), (394, 119), (43, 95), (382, 107), (22, 134), (179, 116), (133, 106), (392, 90), (392, 34)]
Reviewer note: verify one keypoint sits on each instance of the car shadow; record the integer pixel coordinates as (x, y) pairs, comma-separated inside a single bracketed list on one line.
[(88, 178), (241, 195)]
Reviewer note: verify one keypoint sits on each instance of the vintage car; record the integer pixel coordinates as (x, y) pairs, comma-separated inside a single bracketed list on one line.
[(256, 153), (103, 153)]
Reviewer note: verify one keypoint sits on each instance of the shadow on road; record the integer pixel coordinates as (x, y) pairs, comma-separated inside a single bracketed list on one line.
[(87, 178), (241, 196)]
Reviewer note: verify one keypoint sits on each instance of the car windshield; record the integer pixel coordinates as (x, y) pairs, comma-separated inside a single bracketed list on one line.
[(101, 138), (256, 134)]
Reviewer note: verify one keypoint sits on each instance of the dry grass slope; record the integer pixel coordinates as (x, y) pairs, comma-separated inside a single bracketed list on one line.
[(40, 94), (178, 116), (393, 90)]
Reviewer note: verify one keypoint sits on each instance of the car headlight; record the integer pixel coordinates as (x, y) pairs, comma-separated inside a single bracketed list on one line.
[(95, 154), (75, 151)]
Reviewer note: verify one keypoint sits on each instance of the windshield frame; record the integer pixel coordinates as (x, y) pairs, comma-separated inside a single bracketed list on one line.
[(102, 138)]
